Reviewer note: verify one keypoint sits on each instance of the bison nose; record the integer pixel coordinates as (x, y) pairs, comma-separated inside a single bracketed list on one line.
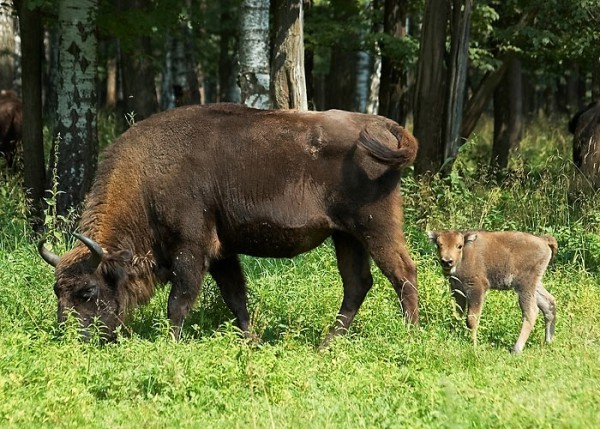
[(447, 262)]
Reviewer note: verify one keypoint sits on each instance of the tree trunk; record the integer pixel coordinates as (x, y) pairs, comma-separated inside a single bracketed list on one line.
[(76, 115), (33, 144), (596, 79), (393, 89), (508, 115), (7, 45), (52, 39), (288, 80), (254, 54), (430, 87), (138, 72), (480, 99), (228, 55), (457, 79)]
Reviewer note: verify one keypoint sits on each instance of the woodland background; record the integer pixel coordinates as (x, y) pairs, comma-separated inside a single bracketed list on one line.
[(438, 64)]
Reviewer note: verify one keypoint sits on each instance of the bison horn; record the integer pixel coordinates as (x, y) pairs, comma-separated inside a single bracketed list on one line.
[(94, 247), (47, 255)]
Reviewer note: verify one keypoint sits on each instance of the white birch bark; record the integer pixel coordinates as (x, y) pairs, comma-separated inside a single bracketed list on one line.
[(7, 45), (76, 112), (254, 51)]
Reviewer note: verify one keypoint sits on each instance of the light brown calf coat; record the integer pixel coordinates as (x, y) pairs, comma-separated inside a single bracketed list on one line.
[(477, 261)]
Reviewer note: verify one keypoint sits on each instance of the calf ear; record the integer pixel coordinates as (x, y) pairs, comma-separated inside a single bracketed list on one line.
[(470, 237), (433, 235)]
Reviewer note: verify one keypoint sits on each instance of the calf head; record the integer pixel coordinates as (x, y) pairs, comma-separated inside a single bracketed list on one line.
[(450, 246), (89, 283)]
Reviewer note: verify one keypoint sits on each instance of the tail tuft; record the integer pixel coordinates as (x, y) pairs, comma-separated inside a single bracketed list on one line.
[(552, 243), (373, 138)]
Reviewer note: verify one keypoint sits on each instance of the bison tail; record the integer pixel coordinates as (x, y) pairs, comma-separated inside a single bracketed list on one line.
[(374, 137), (552, 243)]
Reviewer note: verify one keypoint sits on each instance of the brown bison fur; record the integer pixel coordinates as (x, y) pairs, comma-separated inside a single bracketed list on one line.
[(11, 122), (185, 191), (585, 127), (477, 261)]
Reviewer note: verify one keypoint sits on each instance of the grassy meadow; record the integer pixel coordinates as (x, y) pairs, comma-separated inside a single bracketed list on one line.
[(383, 374)]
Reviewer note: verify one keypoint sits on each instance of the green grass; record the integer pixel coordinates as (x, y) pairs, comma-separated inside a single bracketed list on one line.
[(383, 374)]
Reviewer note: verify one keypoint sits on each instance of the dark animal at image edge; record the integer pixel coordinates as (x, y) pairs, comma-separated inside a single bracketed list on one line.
[(477, 261), (185, 191), (11, 123), (585, 127)]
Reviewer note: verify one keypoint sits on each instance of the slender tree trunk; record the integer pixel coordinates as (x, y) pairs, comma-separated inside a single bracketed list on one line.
[(430, 87), (228, 55), (7, 45), (76, 115), (138, 71), (596, 79), (33, 144), (288, 82), (51, 81), (111, 82), (508, 115), (480, 99), (254, 79), (393, 90), (457, 80)]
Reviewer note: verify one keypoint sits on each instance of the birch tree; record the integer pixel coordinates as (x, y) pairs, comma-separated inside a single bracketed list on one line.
[(288, 83), (7, 45), (76, 115), (254, 78)]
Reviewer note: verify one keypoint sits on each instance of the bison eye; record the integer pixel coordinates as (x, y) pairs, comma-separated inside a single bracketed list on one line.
[(88, 292)]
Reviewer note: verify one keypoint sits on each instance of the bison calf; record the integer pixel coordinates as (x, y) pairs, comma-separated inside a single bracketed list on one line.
[(11, 121), (477, 261)]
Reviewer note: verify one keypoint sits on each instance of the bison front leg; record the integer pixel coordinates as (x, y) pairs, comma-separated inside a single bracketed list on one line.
[(188, 269), (230, 279), (353, 265), (475, 299)]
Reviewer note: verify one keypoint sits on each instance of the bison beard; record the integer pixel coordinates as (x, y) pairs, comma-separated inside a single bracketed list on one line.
[(186, 191)]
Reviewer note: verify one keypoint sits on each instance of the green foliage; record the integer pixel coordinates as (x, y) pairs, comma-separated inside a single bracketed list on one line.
[(383, 374)]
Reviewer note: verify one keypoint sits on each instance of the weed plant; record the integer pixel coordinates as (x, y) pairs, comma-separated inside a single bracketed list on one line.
[(382, 374)]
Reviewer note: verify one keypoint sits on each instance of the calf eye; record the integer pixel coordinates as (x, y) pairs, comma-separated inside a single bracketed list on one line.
[(460, 246)]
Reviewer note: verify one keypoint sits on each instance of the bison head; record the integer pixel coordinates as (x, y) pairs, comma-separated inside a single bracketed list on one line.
[(88, 283), (450, 247)]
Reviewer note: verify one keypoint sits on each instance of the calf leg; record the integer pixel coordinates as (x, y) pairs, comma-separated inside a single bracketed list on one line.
[(230, 279), (460, 299), (546, 302), (475, 299), (527, 302), (188, 269), (353, 265)]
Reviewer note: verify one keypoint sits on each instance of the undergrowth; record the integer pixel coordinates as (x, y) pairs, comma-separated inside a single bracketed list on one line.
[(382, 374)]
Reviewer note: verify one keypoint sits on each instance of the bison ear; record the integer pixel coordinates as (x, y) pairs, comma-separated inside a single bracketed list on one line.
[(433, 235), (114, 267), (470, 237)]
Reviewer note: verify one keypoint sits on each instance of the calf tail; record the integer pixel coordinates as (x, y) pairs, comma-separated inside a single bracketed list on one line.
[(552, 243), (373, 138)]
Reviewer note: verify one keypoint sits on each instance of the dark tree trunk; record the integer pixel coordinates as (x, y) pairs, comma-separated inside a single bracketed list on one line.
[(288, 85), (228, 49), (596, 79), (480, 99), (33, 144), (138, 71), (508, 115), (430, 88), (457, 79), (393, 87), (7, 45), (340, 83), (51, 77)]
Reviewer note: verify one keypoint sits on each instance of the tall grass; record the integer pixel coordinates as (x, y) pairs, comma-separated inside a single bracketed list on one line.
[(383, 374)]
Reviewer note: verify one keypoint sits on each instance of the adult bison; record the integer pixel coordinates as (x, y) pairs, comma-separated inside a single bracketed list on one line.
[(185, 191), (11, 122), (585, 127)]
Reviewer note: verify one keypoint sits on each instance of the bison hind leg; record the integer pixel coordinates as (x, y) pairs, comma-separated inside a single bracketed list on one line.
[(547, 304), (354, 267)]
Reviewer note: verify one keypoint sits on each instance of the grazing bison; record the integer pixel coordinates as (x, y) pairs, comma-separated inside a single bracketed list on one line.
[(585, 127), (11, 121), (476, 261), (185, 191)]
